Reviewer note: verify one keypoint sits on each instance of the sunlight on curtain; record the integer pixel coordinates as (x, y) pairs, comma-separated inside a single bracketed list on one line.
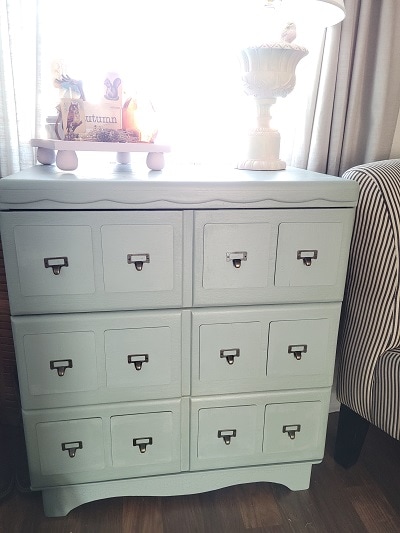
[(184, 57), (18, 76)]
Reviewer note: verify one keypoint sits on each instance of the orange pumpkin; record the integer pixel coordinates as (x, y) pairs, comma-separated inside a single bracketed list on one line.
[(128, 115), (140, 119)]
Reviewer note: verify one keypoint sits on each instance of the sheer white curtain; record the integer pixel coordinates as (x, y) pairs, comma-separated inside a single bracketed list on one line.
[(343, 111), (19, 83)]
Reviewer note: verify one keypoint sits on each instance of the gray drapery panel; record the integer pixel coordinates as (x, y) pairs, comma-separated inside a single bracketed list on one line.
[(357, 105)]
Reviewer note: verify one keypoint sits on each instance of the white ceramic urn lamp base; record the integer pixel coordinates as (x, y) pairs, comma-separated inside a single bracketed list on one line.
[(268, 72)]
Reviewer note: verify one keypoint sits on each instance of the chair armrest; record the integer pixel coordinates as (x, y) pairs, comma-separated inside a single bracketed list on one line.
[(370, 312)]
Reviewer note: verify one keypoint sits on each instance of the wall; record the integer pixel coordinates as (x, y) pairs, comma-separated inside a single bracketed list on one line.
[(9, 395)]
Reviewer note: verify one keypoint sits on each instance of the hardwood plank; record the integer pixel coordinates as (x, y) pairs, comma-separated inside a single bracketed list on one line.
[(383, 467), (103, 516), (184, 513), (328, 493), (258, 506), (375, 512), (142, 514), (299, 510), (226, 511)]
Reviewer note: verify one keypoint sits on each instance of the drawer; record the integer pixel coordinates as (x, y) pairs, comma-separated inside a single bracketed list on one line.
[(308, 254), (291, 431), (138, 257), (70, 446), (54, 260), (58, 363), (228, 434), (234, 256), (140, 357), (231, 351), (300, 347), (147, 439), (104, 442), (62, 262), (270, 256), (78, 359), (263, 348), (242, 430)]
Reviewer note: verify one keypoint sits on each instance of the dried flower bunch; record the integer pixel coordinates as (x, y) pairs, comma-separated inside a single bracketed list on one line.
[(99, 134)]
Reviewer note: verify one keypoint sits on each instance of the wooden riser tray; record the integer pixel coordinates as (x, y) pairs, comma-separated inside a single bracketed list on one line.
[(63, 153)]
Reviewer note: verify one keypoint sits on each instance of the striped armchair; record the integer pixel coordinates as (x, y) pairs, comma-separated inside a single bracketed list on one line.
[(368, 380)]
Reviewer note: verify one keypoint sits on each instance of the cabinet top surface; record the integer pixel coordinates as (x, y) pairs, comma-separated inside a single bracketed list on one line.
[(120, 187)]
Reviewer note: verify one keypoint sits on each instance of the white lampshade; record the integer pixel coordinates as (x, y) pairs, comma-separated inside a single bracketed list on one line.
[(317, 12), (329, 12)]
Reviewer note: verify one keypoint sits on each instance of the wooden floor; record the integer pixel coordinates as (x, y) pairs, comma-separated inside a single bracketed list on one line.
[(365, 498)]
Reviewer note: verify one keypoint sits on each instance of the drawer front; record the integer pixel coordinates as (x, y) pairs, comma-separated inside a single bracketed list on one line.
[(54, 260), (104, 442), (61, 262), (70, 446), (270, 256), (59, 363), (144, 439), (138, 257), (139, 357), (300, 347), (308, 254), (79, 359), (290, 429), (230, 351), (242, 430), (229, 435), (263, 348), (236, 255)]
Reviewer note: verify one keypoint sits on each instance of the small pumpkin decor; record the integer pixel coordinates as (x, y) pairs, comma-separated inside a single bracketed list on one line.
[(139, 117)]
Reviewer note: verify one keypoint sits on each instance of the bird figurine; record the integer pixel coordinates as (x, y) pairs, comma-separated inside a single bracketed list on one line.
[(289, 32), (73, 88)]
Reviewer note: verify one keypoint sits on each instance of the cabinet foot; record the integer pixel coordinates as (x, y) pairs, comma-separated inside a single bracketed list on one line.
[(59, 501)]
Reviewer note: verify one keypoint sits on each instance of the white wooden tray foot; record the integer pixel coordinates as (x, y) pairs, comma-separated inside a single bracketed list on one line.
[(45, 156), (67, 160)]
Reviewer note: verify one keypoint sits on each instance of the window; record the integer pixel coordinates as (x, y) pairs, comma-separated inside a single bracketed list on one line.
[(181, 54)]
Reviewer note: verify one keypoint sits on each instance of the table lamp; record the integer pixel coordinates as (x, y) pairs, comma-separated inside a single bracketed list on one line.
[(268, 71)]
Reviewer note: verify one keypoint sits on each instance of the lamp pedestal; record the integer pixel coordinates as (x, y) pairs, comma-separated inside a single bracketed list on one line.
[(263, 142), (268, 71)]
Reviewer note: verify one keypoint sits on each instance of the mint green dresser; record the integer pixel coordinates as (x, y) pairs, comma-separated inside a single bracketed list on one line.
[(175, 332)]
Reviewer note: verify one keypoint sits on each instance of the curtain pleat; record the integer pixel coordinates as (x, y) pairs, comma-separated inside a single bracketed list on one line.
[(374, 95), (355, 110), (19, 62)]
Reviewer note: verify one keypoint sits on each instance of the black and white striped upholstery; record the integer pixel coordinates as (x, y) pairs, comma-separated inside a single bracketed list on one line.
[(368, 380)]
